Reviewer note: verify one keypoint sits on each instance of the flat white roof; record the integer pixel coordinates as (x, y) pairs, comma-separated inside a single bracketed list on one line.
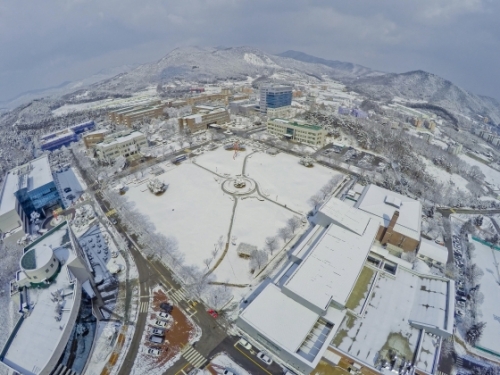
[(118, 138), (283, 320), (434, 251), (431, 303), (39, 336), (345, 216), (331, 268), (382, 203), (37, 173)]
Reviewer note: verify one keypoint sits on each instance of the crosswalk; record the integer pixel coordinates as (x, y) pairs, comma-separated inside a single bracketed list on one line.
[(178, 296), (143, 307), (194, 357)]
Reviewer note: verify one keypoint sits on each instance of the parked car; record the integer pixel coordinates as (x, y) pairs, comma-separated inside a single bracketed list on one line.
[(154, 351), (163, 315), (157, 331), (167, 307), (228, 372), (161, 323), (264, 358), (245, 344), (113, 221), (156, 339), (67, 190), (70, 197)]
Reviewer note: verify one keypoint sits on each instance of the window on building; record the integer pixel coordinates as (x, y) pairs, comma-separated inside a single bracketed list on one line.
[(52, 265), (47, 270)]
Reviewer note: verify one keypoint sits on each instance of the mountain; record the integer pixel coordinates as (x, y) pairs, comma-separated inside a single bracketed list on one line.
[(423, 86), (215, 64), (412, 86), (348, 68), (65, 87)]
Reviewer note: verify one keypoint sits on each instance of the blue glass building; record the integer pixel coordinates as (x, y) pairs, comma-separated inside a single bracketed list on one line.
[(275, 96)]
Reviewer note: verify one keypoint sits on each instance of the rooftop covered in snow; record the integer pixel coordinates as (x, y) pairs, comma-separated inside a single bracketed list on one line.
[(43, 330), (31, 176), (382, 203), (330, 269), (432, 250)]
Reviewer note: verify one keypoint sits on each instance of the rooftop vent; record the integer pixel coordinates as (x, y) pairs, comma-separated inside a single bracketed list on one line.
[(393, 201)]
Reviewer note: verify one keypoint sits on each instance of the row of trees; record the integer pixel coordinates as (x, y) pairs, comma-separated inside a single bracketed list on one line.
[(406, 172), (321, 196)]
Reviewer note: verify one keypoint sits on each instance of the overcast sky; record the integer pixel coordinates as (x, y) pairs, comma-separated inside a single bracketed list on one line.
[(44, 43)]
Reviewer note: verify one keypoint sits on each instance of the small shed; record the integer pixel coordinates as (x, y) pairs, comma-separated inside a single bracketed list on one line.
[(244, 250)]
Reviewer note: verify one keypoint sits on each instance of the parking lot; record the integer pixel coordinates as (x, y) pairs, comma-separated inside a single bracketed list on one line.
[(68, 186), (461, 263), (354, 157)]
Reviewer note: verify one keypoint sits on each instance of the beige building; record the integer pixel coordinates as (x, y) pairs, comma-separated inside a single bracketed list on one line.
[(313, 135), (455, 149), (126, 143), (203, 117), (281, 112), (91, 139), (223, 96), (128, 115)]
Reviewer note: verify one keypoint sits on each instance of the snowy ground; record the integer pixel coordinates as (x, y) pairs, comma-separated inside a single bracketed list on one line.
[(282, 177), (223, 362), (488, 260), (492, 176), (221, 161), (254, 221), (193, 209), (196, 211), (444, 177)]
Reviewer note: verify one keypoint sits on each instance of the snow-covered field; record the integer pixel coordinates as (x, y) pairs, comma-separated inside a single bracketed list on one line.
[(492, 176), (444, 177), (221, 161), (282, 177), (254, 221), (196, 211), (193, 209), (487, 259)]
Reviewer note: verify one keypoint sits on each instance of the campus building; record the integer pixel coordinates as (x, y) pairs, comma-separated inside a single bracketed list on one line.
[(64, 137), (204, 115), (125, 143), (48, 290), (342, 295), (297, 316), (26, 188), (274, 96), (128, 115), (91, 139), (281, 112), (313, 135), (399, 217)]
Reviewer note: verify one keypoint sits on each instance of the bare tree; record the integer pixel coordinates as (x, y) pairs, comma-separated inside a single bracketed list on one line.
[(316, 200), (207, 262), (271, 244), (293, 223), (285, 233), (258, 259)]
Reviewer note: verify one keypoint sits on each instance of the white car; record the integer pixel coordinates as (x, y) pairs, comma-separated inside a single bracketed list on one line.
[(264, 358), (245, 344), (154, 352), (161, 323), (163, 315)]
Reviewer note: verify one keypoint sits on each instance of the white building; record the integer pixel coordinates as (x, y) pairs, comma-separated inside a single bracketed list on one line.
[(296, 317), (26, 188), (432, 253), (48, 290), (126, 143), (400, 217), (281, 112), (313, 135)]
